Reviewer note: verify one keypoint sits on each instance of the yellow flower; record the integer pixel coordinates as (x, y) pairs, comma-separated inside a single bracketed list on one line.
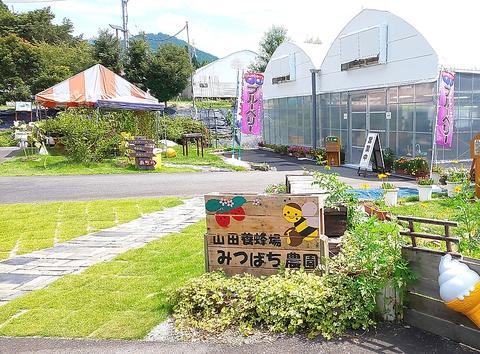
[(365, 186), (382, 176), (457, 189), (328, 168)]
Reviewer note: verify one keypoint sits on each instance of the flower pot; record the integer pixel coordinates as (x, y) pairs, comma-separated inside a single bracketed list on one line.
[(451, 186), (424, 193), (391, 197)]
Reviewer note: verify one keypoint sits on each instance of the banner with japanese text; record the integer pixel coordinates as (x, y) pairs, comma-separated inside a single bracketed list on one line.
[(251, 107), (446, 109)]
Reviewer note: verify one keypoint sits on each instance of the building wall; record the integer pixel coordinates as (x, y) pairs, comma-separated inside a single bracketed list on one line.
[(409, 57), (289, 59)]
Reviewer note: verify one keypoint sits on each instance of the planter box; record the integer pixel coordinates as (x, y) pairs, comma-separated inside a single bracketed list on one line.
[(424, 193), (372, 210), (391, 197), (335, 221)]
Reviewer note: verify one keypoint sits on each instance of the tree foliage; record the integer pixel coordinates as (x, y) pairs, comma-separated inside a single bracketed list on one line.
[(137, 62), (270, 41), (20, 66), (168, 75), (107, 50), (35, 53)]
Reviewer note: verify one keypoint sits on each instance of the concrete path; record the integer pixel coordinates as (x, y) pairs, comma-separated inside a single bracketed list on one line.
[(9, 152), (36, 270), (386, 338), (90, 187)]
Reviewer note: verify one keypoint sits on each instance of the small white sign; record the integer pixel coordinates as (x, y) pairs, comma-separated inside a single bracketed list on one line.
[(23, 106), (345, 116), (388, 115), (21, 135)]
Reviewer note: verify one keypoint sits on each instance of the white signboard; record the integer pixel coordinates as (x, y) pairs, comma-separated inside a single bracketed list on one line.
[(372, 147), (345, 116), (388, 115), (23, 106)]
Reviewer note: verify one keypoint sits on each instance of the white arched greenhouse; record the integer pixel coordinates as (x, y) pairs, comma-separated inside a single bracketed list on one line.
[(379, 75), (218, 79)]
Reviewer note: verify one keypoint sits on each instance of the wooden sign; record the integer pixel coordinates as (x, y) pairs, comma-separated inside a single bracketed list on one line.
[(475, 154), (372, 148), (260, 234), (142, 150), (332, 149)]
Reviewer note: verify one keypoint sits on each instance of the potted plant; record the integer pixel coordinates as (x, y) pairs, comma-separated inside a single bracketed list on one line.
[(400, 165), (390, 191), (455, 177), (418, 167), (425, 186)]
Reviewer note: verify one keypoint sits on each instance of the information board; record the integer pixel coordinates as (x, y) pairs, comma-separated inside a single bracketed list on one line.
[(23, 106), (372, 148), (260, 234)]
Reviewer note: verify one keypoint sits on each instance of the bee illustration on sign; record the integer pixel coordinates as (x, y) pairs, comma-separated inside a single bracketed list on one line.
[(305, 225), (225, 209)]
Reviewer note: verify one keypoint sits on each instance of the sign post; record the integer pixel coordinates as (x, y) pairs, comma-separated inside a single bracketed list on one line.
[(372, 148), (475, 154), (23, 107), (260, 234)]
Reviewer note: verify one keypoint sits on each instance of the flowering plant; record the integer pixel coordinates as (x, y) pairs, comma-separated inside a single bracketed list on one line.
[(456, 174), (386, 185), (425, 181)]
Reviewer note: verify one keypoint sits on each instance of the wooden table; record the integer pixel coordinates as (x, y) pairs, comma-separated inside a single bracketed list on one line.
[(199, 141)]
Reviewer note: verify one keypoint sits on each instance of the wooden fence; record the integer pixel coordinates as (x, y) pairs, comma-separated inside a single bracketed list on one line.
[(425, 309)]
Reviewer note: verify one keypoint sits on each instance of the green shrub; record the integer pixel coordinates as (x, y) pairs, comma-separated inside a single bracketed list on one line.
[(175, 127), (6, 138), (343, 298), (388, 158), (90, 136)]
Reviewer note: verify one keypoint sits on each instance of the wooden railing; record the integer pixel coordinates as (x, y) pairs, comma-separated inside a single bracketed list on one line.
[(447, 238)]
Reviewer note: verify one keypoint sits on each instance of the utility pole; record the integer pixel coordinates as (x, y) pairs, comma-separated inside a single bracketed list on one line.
[(124, 27), (125, 22), (190, 55)]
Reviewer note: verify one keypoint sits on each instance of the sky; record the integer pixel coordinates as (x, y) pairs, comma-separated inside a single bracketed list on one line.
[(221, 27)]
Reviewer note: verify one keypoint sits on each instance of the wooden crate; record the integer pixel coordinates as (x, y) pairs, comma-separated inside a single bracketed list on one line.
[(253, 236), (425, 308)]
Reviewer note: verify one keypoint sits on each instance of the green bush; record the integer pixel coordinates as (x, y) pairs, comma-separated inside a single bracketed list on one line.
[(6, 138), (89, 136), (343, 298), (175, 127)]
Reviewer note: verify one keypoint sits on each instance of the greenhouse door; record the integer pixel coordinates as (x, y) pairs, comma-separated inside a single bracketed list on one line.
[(367, 113)]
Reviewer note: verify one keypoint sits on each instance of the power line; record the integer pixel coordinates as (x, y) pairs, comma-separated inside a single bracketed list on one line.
[(169, 37)]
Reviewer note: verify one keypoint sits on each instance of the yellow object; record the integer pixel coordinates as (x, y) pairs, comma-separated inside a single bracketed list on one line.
[(171, 153), (469, 306), (158, 160)]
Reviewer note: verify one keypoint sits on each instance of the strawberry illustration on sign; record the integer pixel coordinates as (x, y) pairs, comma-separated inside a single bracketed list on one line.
[(226, 209)]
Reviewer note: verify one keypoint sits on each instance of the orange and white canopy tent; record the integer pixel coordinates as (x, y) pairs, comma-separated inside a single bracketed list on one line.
[(97, 87)]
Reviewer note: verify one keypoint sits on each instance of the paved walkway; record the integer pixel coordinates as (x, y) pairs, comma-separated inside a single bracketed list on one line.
[(36, 270)]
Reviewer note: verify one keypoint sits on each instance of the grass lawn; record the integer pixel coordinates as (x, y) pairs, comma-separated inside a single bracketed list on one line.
[(209, 159), (124, 298), (36, 165), (29, 227)]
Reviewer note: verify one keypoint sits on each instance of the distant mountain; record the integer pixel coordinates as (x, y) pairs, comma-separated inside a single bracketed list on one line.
[(159, 39)]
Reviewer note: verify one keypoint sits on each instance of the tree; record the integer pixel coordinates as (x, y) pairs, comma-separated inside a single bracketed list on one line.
[(137, 62), (270, 41), (107, 52), (169, 72), (20, 65), (61, 61)]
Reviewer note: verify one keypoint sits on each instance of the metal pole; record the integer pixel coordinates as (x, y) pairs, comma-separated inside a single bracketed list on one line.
[(190, 56), (434, 136), (314, 108), (125, 22)]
